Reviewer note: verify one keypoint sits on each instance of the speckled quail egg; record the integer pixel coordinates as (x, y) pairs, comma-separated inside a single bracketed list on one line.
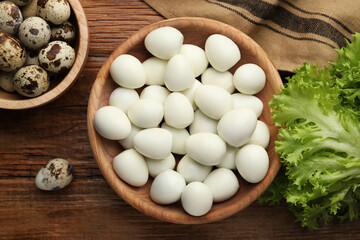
[(34, 33), (64, 32), (20, 3), (54, 175), (29, 10), (6, 82), (12, 53), (57, 56), (54, 11), (10, 17), (32, 58), (31, 81)]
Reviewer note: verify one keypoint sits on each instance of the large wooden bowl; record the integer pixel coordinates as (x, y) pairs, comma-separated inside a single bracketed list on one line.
[(57, 86), (195, 31)]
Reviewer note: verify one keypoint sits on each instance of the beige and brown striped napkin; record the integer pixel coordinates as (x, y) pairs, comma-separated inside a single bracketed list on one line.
[(291, 32)]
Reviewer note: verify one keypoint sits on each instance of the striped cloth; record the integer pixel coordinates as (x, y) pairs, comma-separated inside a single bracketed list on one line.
[(291, 32)]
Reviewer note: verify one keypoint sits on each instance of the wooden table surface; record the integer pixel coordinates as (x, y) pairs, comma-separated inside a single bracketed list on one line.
[(88, 208)]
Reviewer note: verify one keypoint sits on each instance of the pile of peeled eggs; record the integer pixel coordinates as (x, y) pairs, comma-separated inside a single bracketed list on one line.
[(35, 44), (199, 113)]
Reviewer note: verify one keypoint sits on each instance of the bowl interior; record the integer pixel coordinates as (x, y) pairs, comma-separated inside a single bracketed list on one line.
[(195, 31), (60, 82)]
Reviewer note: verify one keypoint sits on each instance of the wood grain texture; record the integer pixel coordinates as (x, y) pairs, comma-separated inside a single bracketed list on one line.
[(195, 31), (88, 208), (57, 87)]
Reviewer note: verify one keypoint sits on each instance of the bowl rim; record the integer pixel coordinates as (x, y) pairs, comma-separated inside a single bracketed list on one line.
[(71, 76), (95, 139)]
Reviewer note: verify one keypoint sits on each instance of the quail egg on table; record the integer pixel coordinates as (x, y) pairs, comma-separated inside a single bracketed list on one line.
[(31, 81), (6, 82), (34, 33), (64, 32), (54, 175), (10, 18), (12, 53), (54, 11), (57, 56)]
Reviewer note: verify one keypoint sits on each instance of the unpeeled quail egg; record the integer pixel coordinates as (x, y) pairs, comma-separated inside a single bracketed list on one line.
[(64, 32), (10, 18), (54, 11), (31, 81), (34, 33), (12, 53), (55, 175), (57, 56)]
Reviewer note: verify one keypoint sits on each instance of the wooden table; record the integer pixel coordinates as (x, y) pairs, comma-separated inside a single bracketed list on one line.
[(88, 208)]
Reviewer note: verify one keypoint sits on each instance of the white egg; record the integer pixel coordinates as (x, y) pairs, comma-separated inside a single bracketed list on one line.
[(221, 52), (178, 74), (167, 187), (228, 160), (196, 199), (205, 148), (261, 135), (252, 162), (127, 71), (146, 113), (240, 100), (178, 111), (213, 101), (128, 142), (196, 56), (223, 184), (153, 143), (237, 126), (191, 170), (156, 166), (189, 93), (249, 78), (131, 167), (179, 137), (202, 123), (164, 42), (155, 92), (112, 123), (123, 98), (154, 69), (220, 79)]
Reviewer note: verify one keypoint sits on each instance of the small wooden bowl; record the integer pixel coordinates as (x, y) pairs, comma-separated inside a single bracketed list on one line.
[(58, 87), (195, 31)]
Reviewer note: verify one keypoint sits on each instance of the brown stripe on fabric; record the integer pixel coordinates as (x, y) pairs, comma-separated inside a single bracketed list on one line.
[(342, 25), (270, 27)]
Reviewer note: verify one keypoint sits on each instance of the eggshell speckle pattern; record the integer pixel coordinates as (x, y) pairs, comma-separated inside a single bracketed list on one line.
[(34, 33), (12, 54), (10, 18), (31, 81), (55, 175), (54, 11), (57, 56), (64, 32)]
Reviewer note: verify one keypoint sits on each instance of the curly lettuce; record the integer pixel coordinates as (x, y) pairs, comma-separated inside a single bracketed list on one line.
[(319, 140)]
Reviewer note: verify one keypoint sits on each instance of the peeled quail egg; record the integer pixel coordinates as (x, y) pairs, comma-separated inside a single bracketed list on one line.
[(196, 56), (34, 33), (153, 143), (64, 32), (57, 56), (131, 167), (261, 135), (167, 187), (179, 137), (123, 98), (127, 71), (156, 166), (178, 74), (12, 53), (155, 92), (164, 42), (240, 100), (146, 113), (6, 81), (205, 148), (20, 3), (191, 170), (249, 78), (128, 142), (221, 79), (10, 18), (31, 81), (196, 199), (190, 92), (112, 123), (221, 52), (154, 68), (178, 111), (202, 123), (228, 161), (55, 175), (54, 11), (223, 184)]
